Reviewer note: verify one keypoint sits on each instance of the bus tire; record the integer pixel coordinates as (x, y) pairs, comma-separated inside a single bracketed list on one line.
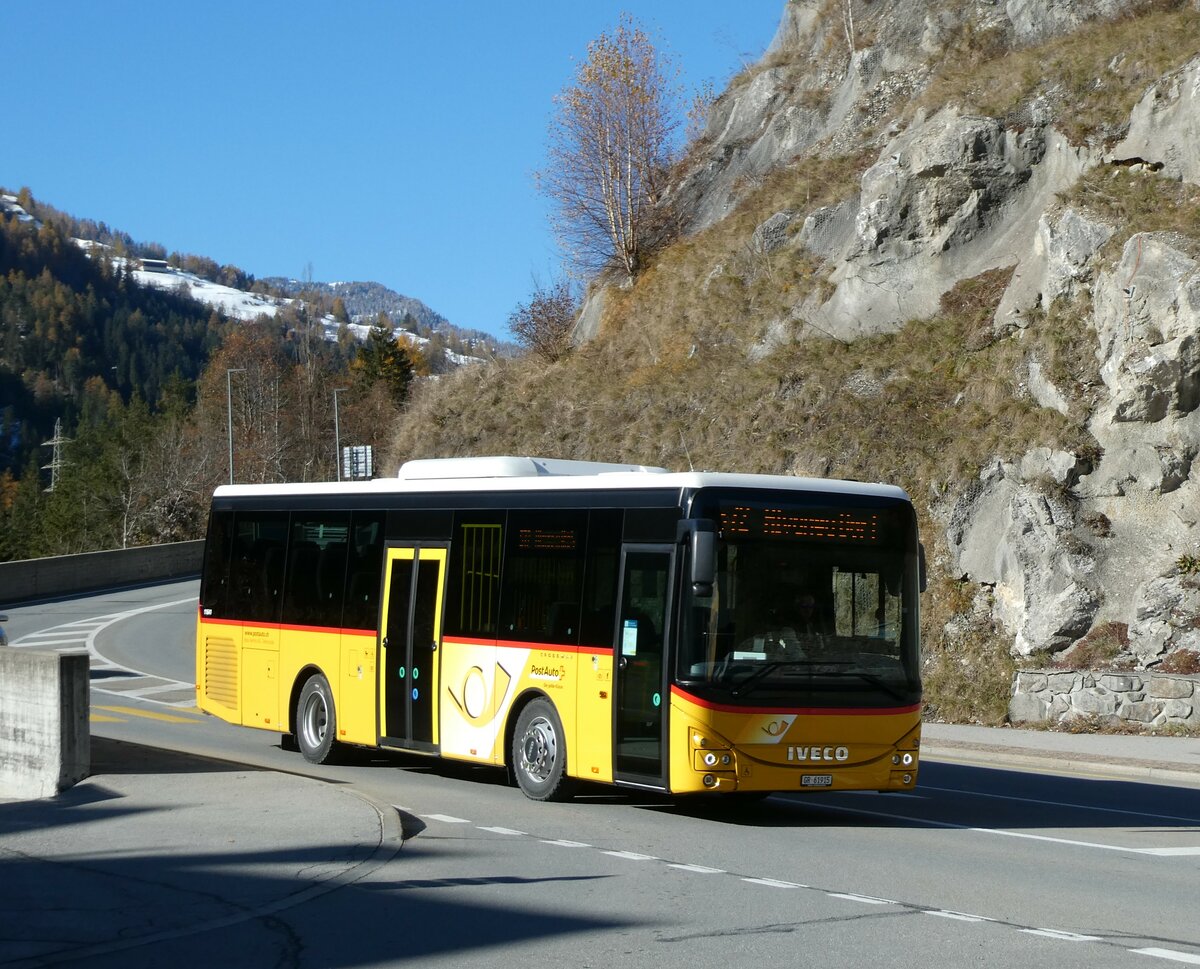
[(316, 722), (539, 754)]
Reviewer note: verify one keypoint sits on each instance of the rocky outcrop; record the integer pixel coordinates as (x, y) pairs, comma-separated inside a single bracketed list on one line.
[(1017, 532), (842, 91), (1058, 543), (1165, 126)]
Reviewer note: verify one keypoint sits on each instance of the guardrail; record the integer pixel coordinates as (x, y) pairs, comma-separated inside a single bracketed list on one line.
[(66, 574)]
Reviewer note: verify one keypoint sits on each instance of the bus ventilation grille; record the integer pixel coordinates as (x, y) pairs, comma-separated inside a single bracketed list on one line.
[(220, 672)]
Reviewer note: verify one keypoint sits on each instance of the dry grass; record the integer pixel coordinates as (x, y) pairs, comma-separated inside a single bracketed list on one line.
[(1090, 80), (671, 380), (1137, 201)]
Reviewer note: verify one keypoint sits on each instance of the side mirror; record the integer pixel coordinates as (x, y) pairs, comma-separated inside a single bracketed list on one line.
[(701, 536)]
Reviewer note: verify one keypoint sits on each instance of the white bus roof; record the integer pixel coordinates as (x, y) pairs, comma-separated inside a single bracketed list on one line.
[(500, 474)]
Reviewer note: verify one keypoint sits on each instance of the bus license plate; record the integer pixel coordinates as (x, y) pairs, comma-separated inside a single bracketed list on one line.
[(816, 780)]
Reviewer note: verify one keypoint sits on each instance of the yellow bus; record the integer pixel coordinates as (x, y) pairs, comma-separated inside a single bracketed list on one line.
[(575, 621)]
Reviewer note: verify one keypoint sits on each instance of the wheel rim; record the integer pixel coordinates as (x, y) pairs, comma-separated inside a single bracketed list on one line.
[(313, 721), (539, 749)]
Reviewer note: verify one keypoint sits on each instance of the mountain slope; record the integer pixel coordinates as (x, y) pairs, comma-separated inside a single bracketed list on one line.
[(957, 252)]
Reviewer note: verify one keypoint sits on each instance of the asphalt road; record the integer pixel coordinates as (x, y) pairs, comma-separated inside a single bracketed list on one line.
[(979, 866)]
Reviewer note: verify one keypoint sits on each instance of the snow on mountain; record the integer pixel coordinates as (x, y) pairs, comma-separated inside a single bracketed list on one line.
[(236, 303)]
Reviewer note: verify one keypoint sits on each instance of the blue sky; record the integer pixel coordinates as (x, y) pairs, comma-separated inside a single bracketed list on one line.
[(392, 141)]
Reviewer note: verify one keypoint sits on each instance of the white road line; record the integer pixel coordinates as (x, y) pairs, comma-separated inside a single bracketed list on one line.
[(865, 899), (146, 692), (1061, 936), (498, 830), (446, 819), (930, 822), (958, 916), (1062, 804), (41, 644), (1169, 954), (565, 844), (1170, 852), (773, 883), (698, 869), (631, 856)]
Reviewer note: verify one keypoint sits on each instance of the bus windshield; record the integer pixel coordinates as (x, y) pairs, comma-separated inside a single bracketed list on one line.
[(810, 606)]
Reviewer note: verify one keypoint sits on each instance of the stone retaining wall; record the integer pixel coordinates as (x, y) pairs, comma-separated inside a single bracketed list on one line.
[(1144, 698)]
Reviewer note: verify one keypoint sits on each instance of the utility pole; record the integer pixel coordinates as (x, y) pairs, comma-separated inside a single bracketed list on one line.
[(337, 434), (229, 412), (56, 460)]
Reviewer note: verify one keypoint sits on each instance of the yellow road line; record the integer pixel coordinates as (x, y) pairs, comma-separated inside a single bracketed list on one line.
[(149, 714), (101, 718)]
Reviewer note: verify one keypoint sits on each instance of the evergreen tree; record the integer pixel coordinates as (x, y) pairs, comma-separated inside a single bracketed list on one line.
[(383, 360)]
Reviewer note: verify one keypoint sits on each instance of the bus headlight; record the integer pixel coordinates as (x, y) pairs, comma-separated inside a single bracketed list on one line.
[(710, 759)]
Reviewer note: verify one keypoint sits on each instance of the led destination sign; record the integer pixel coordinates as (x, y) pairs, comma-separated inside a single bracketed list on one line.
[(855, 527)]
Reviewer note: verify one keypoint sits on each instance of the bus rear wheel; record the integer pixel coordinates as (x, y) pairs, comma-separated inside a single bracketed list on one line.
[(316, 722), (539, 754)]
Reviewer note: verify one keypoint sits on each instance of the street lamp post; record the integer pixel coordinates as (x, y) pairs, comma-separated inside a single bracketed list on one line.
[(337, 435), (229, 412)]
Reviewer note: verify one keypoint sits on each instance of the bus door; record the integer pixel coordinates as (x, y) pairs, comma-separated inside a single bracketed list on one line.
[(414, 584), (640, 659)]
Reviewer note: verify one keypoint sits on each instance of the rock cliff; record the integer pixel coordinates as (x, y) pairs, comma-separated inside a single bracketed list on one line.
[(1056, 543)]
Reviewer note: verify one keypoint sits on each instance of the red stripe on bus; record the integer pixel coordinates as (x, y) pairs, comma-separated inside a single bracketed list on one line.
[(333, 630), (517, 644), (799, 711)]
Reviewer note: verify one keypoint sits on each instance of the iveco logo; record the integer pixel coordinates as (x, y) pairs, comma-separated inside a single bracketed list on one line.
[(814, 754)]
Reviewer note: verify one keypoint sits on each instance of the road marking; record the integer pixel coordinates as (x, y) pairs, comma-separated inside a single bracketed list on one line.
[(1170, 852), (565, 844), (496, 830), (1063, 804), (50, 642), (446, 819), (773, 883), (958, 916), (149, 714), (930, 822), (698, 869), (1169, 954), (1061, 936), (101, 718), (865, 899), (631, 856)]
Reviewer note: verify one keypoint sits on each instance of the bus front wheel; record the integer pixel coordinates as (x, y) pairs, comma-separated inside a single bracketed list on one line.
[(316, 721), (539, 754)]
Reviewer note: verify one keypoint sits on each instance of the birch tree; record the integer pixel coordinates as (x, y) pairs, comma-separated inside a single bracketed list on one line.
[(610, 147)]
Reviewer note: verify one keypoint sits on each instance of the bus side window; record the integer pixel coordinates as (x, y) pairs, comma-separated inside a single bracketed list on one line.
[(258, 565), (364, 570), (543, 576), (602, 563), (214, 596), (473, 591), (331, 584), (300, 594)]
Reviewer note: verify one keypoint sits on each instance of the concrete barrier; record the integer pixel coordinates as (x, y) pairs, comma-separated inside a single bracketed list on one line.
[(66, 574), (45, 742)]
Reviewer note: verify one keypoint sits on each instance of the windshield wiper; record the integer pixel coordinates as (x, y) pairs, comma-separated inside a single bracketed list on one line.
[(766, 668), (874, 680)]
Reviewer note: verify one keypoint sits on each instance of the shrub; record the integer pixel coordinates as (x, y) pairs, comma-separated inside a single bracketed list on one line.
[(1099, 649), (1183, 661)]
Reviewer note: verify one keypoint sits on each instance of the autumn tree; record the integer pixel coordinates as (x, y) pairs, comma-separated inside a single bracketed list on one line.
[(610, 147), (543, 325)]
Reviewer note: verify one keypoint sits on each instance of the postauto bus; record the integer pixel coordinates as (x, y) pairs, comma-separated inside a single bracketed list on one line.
[(690, 633)]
